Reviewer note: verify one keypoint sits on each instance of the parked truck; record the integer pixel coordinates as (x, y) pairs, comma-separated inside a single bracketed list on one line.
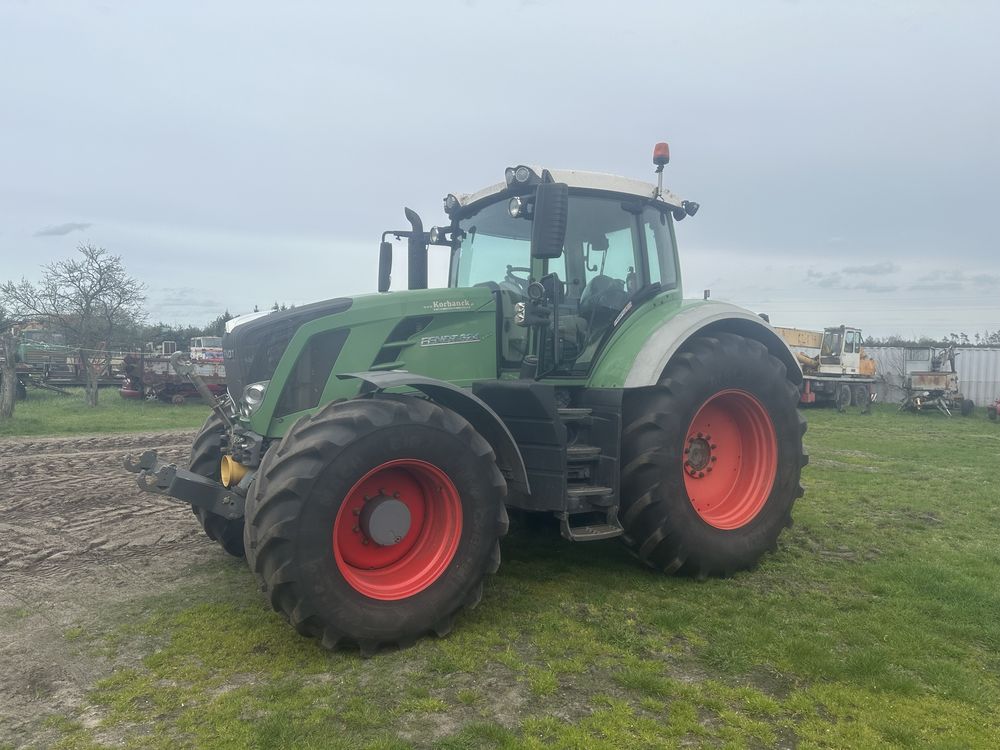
[(835, 368), (369, 446)]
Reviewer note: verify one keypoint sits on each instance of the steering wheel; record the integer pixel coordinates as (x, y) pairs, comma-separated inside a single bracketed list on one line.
[(517, 281)]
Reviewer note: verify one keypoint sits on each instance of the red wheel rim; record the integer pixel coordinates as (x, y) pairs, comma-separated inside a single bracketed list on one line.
[(730, 459), (422, 554)]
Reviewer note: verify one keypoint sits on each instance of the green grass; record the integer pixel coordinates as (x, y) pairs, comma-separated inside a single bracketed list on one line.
[(48, 413), (877, 624)]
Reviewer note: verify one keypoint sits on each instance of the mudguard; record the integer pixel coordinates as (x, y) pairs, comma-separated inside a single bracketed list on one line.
[(463, 402), (703, 319)]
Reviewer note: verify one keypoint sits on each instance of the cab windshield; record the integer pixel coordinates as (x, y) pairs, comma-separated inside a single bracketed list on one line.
[(613, 249), (495, 246)]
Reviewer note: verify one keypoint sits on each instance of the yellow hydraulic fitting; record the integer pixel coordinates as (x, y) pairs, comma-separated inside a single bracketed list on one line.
[(232, 471)]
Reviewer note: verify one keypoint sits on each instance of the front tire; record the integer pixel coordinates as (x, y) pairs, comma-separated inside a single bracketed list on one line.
[(314, 542), (206, 457), (712, 459)]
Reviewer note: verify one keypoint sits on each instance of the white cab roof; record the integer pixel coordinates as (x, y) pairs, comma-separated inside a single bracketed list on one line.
[(587, 180)]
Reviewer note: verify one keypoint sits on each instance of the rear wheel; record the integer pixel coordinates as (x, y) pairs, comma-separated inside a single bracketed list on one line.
[(843, 397), (862, 398), (968, 406), (206, 455), (375, 521), (712, 458)]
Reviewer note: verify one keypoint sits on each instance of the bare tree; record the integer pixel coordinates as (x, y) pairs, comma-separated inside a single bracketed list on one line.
[(89, 299), (8, 366)]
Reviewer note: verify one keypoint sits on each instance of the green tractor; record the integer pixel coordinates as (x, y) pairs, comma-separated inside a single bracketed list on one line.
[(370, 446)]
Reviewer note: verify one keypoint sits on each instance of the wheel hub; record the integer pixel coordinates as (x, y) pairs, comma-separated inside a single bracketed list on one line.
[(385, 520), (699, 455)]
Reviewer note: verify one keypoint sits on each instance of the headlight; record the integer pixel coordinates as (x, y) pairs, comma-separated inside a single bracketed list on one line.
[(515, 207), (253, 394), (522, 174)]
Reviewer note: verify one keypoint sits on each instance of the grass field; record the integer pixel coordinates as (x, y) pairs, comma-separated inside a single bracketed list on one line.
[(875, 625), (48, 413)]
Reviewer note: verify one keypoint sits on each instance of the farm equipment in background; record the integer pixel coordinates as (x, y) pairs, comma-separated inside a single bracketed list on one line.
[(835, 369), (45, 361), (928, 386), (369, 446), (151, 376)]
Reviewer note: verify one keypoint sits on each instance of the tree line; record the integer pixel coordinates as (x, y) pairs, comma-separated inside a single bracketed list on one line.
[(985, 339)]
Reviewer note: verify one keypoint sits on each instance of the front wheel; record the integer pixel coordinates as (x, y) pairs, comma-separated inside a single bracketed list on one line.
[(968, 406), (206, 457), (375, 521), (712, 458)]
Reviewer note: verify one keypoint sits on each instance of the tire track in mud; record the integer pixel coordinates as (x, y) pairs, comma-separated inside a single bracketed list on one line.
[(69, 502)]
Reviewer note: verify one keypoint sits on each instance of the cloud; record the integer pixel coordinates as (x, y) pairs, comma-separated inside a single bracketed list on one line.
[(873, 288), (60, 230), (825, 279), (873, 269), (843, 281)]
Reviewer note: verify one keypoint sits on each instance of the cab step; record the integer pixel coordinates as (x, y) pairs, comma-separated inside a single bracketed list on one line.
[(588, 490), (592, 532), (582, 452), (574, 414)]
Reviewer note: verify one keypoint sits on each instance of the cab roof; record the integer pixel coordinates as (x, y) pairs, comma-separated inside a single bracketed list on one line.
[(575, 178)]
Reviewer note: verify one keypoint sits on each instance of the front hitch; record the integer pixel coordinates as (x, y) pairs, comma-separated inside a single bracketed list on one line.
[(184, 486)]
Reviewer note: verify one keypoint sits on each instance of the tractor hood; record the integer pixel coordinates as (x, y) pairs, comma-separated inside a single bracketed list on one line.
[(445, 333), (253, 344)]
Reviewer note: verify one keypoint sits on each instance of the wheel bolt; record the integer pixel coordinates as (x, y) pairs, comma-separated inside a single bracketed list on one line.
[(699, 435), (364, 541), (356, 529), (395, 495), (686, 451), (714, 458), (709, 468), (356, 511), (714, 446), (701, 474)]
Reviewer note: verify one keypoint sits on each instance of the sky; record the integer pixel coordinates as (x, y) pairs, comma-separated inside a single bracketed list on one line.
[(846, 155)]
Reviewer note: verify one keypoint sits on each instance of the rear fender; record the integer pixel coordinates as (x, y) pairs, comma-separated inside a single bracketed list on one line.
[(705, 319), (476, 411)]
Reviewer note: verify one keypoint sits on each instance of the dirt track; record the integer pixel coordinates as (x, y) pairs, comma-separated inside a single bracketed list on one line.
[(74, 531)]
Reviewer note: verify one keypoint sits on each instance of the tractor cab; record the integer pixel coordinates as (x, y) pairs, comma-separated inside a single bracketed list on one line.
[(566, 254)]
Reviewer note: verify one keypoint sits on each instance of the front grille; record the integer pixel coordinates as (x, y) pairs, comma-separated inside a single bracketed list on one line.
[(252, 350)]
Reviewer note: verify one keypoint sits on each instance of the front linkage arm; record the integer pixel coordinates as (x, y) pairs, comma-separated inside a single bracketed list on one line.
[(184, 486)]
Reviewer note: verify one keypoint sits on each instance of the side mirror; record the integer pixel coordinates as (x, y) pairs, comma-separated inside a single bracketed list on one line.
[(384, 266), (548, 230)]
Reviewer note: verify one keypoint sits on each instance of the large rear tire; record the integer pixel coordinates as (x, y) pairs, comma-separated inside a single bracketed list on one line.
[(331, 567), (206, 455), (712, 458)]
